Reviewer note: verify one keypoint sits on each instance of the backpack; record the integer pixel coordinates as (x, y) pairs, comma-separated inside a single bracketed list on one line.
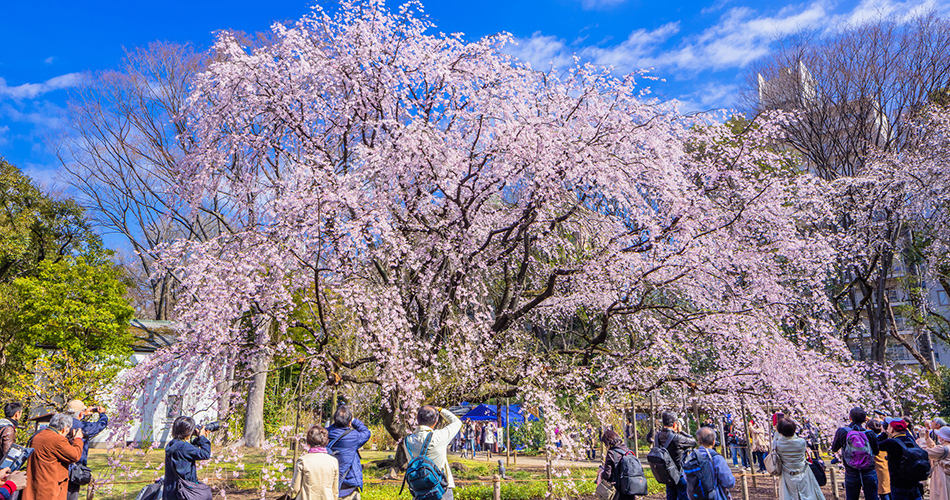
[(701, 481), (914, 464), (425, 479), (857, 450), (665, 470), (629, 478)]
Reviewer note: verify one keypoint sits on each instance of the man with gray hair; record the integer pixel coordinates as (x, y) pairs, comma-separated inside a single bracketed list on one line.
[(79, 411), (704, 463), (54, 449)]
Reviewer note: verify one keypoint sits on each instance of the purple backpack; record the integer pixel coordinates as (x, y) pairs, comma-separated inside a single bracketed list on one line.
[(857, 451)]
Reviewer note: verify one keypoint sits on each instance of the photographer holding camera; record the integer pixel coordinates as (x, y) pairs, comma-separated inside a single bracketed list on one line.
[(79, 473), (54, 448), (188, 445)]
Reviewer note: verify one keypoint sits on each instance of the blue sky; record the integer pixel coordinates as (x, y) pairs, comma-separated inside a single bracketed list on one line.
[(701, 49)]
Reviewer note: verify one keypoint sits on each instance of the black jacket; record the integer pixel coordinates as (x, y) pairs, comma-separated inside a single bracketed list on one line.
[(841, 437), (894, 455), (180, 458), (679, 445), (611, 462)]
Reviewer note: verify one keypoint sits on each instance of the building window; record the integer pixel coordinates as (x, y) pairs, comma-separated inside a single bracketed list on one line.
[(173, 407), (942, 298)]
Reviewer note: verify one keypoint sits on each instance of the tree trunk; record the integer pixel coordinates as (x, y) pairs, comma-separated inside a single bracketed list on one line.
[(224, 388), (254, 413), (396, 427)]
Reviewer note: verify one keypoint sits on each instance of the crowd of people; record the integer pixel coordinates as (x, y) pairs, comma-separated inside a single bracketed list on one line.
[(887, 459), (478, 437), (57, 466)]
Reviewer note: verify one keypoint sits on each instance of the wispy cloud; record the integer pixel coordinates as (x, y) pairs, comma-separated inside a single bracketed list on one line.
[(34, 90), (49, 60), (600, 4), (739, 36)]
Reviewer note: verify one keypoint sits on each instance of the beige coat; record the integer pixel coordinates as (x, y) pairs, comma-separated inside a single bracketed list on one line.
[(797, 481), (939, 467), (316, 477)]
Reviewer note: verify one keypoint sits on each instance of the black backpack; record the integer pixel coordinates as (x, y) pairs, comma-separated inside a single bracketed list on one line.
[(665, 470), (701, 480), (629, 479), (915, 464)]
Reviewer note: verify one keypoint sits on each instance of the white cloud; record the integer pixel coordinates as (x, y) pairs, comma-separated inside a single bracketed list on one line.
[(4, 135), (600, 4), (634, 53), (49, 60), (47, 177), (710, 96), (44, 114), (33, 90), (741, 35), (541, 51)]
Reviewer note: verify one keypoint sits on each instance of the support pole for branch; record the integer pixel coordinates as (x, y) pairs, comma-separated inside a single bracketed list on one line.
[(508, 432), (748, 441), (745, 486), (834, 483), (636, 435), (297, 418), (547, 459)]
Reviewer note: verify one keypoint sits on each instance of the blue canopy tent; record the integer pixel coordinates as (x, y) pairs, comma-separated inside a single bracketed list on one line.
[(490, 412)]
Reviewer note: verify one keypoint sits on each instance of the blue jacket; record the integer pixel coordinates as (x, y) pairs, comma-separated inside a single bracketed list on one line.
[(180, 458), (346, 451), (723, 475), (89, 431)]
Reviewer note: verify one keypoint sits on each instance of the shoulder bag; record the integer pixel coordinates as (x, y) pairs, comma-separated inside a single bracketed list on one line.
[(188, 490), (773, 465)]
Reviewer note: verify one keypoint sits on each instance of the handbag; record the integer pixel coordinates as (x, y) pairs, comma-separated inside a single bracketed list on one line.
[(605, 490), (188, 490), (80, 474), (818, 469), (772, 463)]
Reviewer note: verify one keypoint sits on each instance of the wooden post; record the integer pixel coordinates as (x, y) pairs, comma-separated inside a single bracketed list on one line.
[(834, 483), (636, 435), (547, 459), (297, 418), (653, 414), (508, 432), (496, 487), (722, 436), (745, 486), (748, 442)]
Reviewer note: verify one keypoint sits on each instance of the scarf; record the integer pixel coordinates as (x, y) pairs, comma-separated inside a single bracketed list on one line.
[(317, 449)]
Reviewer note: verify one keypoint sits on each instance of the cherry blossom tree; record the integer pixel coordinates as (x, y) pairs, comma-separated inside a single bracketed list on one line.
[(427, 216)]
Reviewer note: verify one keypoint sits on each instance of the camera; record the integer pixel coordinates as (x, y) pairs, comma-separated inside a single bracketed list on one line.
[(210, 426)]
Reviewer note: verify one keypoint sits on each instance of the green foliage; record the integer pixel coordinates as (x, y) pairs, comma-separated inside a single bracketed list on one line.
[(63, 313), (531, 435), (940, 387)]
